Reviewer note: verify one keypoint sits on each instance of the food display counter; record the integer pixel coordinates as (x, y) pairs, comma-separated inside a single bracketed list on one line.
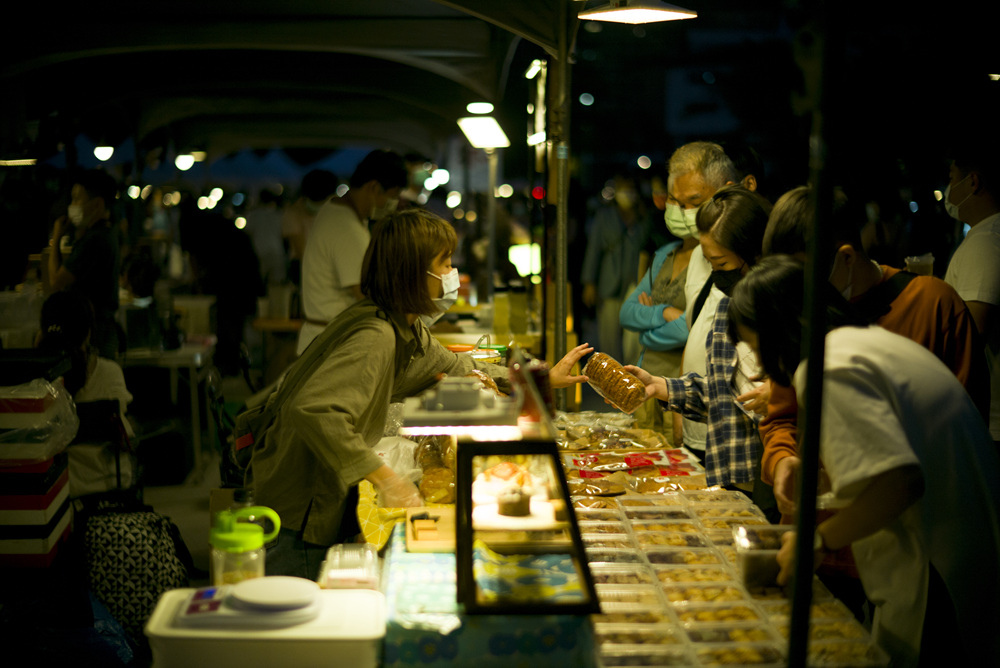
[(669, 572)]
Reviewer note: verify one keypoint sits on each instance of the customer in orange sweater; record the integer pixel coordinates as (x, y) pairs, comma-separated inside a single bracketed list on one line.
[(924, 309)]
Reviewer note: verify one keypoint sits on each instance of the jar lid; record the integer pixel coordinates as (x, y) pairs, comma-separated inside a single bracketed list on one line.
[(460, 347), (243, 537)]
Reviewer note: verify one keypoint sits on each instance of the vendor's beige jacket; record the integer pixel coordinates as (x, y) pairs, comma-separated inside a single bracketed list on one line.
[(321, 443)]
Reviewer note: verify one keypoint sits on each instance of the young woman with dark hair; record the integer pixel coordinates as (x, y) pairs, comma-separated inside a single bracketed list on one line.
[(911, 467)]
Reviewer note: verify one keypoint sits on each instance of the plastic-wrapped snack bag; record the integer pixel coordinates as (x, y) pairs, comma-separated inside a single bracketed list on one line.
[(610, 380)]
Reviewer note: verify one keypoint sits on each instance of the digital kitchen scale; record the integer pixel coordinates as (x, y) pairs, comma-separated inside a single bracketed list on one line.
[(261, 603)]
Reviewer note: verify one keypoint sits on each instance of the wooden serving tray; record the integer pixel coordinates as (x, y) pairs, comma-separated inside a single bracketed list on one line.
[(436, 534)]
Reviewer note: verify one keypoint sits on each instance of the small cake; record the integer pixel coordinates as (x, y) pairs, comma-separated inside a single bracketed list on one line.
[(513, 502)]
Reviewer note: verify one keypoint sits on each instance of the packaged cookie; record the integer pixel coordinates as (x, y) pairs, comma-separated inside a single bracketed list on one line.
[(731, 633), (622, 575), (611, 656), (637, 634), (608, 555), (638, 594), (673, 574), (704, 593), (587, 527), (670, 499), (698, 496), (618, 541), (694, 555), (610, 380), (845, 653), (739, 654), (717, 613)]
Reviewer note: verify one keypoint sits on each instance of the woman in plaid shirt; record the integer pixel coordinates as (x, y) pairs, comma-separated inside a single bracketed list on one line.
[(731, 398)]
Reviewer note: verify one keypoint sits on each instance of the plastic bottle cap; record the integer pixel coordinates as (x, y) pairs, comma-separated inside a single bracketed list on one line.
[(231, 535)]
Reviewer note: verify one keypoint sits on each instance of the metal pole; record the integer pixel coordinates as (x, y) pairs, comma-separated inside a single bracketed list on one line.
[(817, 50), (491, 222), (561, 140)]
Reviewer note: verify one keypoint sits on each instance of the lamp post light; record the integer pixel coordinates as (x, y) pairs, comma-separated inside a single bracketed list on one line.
[(484, 132)]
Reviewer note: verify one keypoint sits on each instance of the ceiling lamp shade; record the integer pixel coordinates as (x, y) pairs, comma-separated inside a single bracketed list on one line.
[(637, 11), (483, 132)]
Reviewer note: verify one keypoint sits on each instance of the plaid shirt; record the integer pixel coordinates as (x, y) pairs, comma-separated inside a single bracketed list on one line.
[(733, 447)]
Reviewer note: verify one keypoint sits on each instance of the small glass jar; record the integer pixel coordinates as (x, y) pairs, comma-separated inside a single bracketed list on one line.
[(238, 547)]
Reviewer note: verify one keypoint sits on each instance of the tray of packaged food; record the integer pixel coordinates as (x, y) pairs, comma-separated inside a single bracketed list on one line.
[(728, 632), (588, 526), (776, 593), (669, 499), (608, 555), (670, 539), (634, 594), (715, 495), (757, 553), (716, 592), (593, 503), (678, 574), (739, 654), (828, 609), (690, 555), (634, 574), (677, 526), (739, 511), (595, 487), (638, 634), (724, 523), (846, 654), (632, 614), (608, 540), (624, 461), (597, 514), (717, 613), (661, 485), (656, 513), (614, 656), (826, 629)]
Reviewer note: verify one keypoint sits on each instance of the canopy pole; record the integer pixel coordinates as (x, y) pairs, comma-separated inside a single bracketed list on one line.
[(816, 56)]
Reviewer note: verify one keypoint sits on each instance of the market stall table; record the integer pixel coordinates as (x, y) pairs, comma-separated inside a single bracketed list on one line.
[(196, 358)]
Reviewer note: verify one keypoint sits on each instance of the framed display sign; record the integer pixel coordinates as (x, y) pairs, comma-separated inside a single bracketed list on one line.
[(518, 547)]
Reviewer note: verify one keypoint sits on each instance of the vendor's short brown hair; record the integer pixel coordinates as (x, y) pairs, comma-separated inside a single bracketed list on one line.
[(402, 248)]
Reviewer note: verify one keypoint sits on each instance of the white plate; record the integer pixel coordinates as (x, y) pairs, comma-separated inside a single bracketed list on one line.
[(276, 592)]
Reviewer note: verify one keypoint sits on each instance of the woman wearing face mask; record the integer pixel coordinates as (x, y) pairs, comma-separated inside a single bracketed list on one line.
[(655, 309), (320, 446), (730, 398), (92, 267)]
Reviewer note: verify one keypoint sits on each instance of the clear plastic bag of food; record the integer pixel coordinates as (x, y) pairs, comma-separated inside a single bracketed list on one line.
[(610, 380)]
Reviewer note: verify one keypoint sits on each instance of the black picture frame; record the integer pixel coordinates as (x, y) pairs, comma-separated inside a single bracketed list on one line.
[(464, 533)]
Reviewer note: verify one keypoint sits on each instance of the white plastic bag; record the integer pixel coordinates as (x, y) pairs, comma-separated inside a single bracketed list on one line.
[(37, 420)]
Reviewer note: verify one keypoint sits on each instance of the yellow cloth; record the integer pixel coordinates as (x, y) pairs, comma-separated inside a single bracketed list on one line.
[(377, 523)]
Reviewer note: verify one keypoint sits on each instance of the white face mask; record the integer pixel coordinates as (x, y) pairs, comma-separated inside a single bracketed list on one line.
[(380, 212), (952, 209), (449, 285), (75, 213), (681, 222), (848, 291)]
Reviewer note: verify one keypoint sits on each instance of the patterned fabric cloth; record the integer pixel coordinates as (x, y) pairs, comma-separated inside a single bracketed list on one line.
[(733, 447)]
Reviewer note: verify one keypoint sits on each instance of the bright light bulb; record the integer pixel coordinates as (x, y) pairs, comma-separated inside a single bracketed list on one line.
[(134, 192), (240, 223), (103, 153), (453, 199), (216, 194), (479, 108), (442, 176), (184, 162)]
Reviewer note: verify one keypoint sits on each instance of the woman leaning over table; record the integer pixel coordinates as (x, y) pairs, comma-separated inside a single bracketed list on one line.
[(911, 466), (320, 446)]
